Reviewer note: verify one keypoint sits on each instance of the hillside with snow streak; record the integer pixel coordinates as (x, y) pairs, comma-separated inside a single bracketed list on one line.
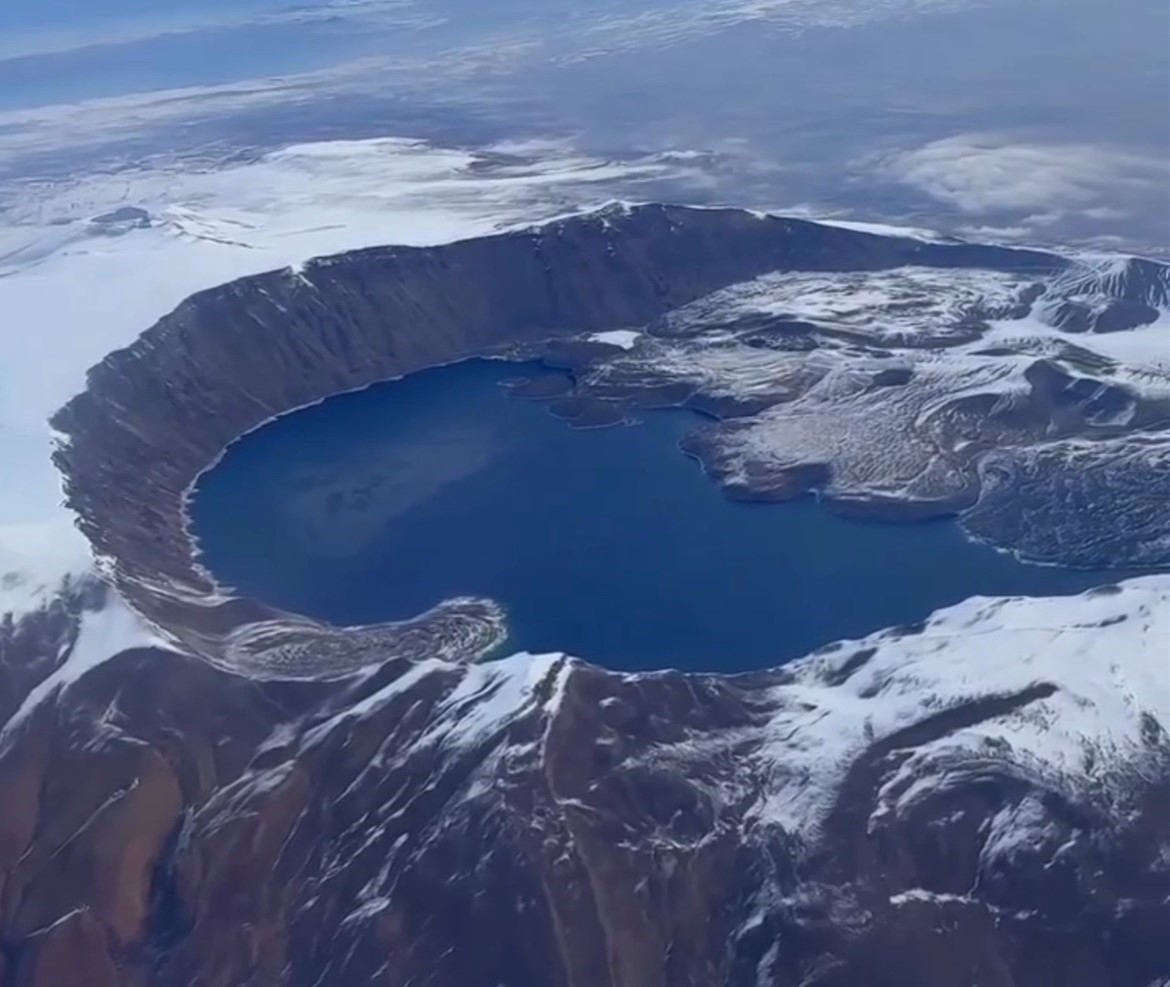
[(919, 807)]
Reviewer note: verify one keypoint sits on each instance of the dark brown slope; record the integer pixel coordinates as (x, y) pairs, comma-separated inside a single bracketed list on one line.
[(169, 824)]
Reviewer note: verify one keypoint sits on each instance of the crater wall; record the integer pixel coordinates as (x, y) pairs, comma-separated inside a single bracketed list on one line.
[(156, 414)]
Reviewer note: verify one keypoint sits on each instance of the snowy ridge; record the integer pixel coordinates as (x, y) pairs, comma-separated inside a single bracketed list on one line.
[(103, 631), (908, 306), (1066, 695), (922, 306), (492, 695), (1071, 694), (1111, 276), (1107, 718), (1066, 698), (485, 700)]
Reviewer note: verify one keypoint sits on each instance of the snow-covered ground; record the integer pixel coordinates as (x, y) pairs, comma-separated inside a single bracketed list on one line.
[(959, 333), (1105, 652), (912, 304)]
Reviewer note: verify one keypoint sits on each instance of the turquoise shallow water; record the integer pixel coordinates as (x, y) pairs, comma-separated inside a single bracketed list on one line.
[(607, 543)]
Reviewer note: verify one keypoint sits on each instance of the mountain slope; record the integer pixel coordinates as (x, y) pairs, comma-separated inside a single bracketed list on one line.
[(981, 799)]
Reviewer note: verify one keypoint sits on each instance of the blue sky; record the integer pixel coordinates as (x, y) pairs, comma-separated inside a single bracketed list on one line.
[(38, 15), (63, 52)]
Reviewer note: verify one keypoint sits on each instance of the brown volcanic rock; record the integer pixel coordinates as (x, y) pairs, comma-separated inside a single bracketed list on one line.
[(97, 782), (72, 952), (537, 822), (660, 856), (361, 855), (108, 830)]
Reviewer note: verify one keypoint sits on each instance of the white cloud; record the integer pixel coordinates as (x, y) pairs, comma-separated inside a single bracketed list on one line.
[(986, 172), (678, 23), (988, 232), (439, 54)]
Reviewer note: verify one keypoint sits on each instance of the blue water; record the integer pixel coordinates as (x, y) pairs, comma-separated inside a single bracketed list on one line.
[(607, 543)]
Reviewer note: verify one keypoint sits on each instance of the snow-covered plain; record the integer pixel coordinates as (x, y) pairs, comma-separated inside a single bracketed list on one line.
[(958, 333)]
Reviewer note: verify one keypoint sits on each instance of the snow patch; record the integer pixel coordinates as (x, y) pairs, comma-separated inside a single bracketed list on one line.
[(493, 694), (1104, 651), (376, 700), (102, 634), (624, 338), (922, 896)]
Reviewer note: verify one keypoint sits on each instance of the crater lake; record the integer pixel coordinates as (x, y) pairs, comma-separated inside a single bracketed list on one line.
[(607, 543)]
